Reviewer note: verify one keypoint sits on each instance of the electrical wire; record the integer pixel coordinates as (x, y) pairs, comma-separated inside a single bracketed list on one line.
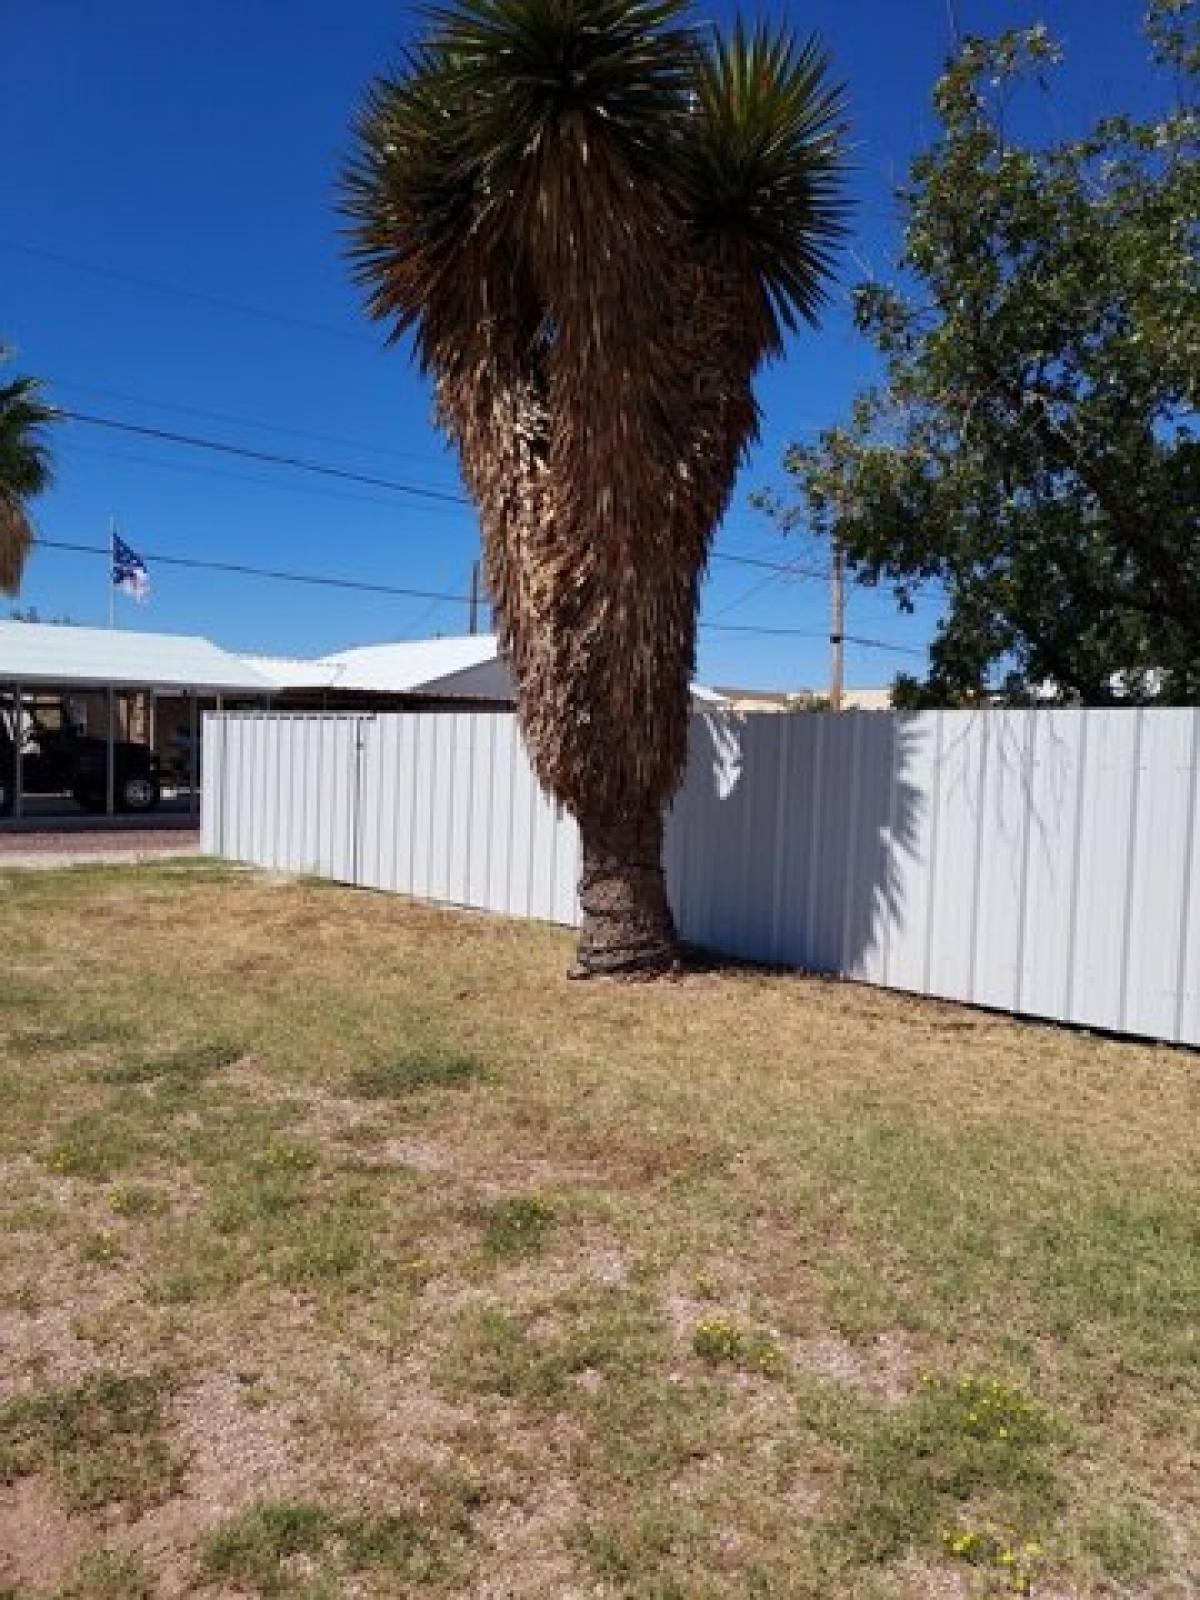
[(807, 633), (271, 457), (220, 302), (125, 398), (319, 580), (793, 571), (290, 486), (324, 469), (328, 581)]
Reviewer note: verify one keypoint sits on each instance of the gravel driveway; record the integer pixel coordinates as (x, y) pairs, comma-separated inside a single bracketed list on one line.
[(78, 846)]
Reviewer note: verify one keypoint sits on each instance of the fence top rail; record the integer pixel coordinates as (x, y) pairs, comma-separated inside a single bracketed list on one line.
[(728, 714)]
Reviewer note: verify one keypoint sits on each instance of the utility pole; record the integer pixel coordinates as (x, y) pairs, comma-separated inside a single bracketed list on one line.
[(473, 614), (837, 621)]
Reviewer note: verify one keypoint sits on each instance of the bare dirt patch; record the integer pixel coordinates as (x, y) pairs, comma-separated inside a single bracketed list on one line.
[(39, 1541)]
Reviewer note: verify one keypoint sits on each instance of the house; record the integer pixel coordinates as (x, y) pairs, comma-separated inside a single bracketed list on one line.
[(83, 709), (467, 673), (128, 705)]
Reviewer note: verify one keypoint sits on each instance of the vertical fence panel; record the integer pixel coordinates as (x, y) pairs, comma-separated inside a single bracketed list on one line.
[(371, 866), (797, 800), (1000, 869), (744, 824), (1158, 883), (503, 763), (311, 740), (424, 777), (1187, 983), (241, 794), (212, 768), (1054, 800), (1107, 823), (568, 865), (483, 756), (904, 888), (865, 924), (958, 813), (404, 822), (523, 793), (830, 845), (1043, 861)]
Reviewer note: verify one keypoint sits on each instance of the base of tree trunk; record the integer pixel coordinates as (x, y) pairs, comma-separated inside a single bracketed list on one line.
[(627, 928)]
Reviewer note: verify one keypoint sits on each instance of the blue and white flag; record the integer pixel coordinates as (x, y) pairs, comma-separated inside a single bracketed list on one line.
[(129, 573)]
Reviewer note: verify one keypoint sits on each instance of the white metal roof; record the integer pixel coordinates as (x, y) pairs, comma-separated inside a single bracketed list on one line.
[(286, 673), (469, 666), (415, 664), (706, 697), (60, 655)]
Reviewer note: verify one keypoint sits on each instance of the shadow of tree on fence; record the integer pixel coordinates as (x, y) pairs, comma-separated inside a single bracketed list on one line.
[(792, 836)]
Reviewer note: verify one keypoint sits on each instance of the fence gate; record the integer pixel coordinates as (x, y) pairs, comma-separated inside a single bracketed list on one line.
[(442, 806), (285, 792)]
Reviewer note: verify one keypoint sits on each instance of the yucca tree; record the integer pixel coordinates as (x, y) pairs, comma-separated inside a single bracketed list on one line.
[(24, 471), (597, 220)]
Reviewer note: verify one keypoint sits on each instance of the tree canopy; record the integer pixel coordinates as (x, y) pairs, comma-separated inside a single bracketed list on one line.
[(1031, 446)]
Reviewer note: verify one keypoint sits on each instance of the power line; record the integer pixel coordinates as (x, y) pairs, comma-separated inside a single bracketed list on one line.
[(323, 580), (781, 569), (772, 577), (317, 579), (298, 463), (809, 633), (324, 469), (238, 421), (288, 485), (220, 302)]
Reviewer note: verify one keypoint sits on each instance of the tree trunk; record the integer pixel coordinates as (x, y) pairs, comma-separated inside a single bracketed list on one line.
[(627, 925)]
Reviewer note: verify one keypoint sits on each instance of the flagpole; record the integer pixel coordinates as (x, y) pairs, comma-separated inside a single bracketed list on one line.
[(112, 559)]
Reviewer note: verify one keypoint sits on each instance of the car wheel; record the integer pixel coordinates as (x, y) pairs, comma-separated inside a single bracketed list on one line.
[(139, 793)]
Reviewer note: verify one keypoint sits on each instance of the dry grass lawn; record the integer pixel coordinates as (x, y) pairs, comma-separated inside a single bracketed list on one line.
[(346, 1249)]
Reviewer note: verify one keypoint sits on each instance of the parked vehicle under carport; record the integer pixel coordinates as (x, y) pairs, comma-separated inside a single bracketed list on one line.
[(62, 761)]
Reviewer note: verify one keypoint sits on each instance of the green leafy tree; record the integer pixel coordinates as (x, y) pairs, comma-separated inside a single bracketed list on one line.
[(24, 471), (598, 220), (1031, 447)]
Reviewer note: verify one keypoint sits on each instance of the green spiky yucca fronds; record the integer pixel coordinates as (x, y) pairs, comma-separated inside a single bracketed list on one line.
[(761, 168), (24, 471), (509, 141), (596, 220)]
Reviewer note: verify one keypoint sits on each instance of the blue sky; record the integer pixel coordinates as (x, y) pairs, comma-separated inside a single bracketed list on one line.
[(170, 255)]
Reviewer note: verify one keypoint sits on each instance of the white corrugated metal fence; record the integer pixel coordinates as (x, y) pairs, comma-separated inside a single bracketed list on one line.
[(1038, 861)]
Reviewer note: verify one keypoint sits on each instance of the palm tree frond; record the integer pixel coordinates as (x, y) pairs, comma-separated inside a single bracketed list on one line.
[(25, 471), (507, 149), (410, 191), (535, 71), (761, 167)]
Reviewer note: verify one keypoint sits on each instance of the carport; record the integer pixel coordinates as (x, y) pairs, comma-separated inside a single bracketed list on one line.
[(109, 716)]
